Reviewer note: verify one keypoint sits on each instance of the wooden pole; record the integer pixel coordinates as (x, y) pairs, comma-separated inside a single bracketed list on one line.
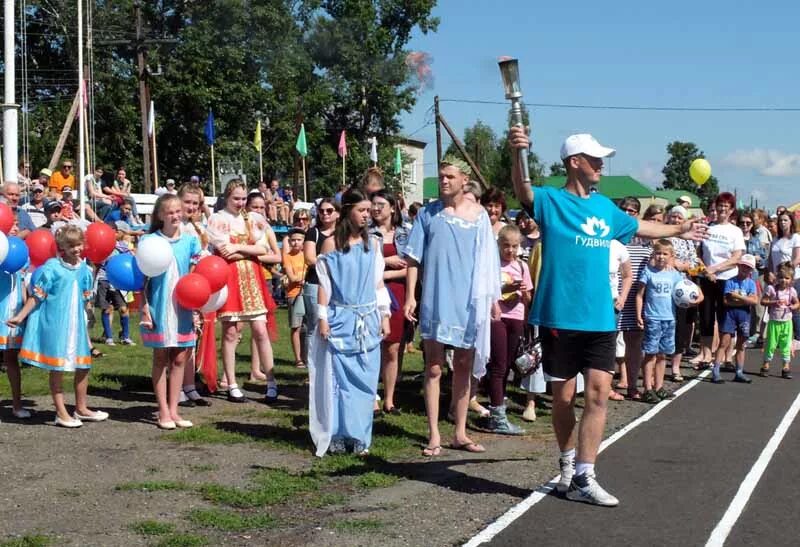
[(343, 170), (62, 139), (155, 154), (305, 185), (213, 174), (438, 132), (463, 152)]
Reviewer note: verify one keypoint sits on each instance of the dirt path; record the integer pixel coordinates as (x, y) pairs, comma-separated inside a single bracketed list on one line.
[(84, 487)]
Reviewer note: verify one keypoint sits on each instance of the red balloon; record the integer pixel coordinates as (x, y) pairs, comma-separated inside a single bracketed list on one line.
[(215, 270), (100, 241), (6, 218), (41, 246), (192, 291)]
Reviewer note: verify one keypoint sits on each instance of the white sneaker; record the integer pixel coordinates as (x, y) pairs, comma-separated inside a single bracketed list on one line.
[(585, 488), (110, 342), (22, 414), (567, 466), (127, 342)]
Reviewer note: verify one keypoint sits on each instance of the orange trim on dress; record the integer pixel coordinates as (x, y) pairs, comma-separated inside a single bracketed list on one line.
[(52, 361)]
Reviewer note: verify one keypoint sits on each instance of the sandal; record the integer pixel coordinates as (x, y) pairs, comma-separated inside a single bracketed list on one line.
[(677, 378), (702, 365), (300, 364), (635, 396), (615, 396), (473, 447), (764, 372), (432, 451), (96, 353)]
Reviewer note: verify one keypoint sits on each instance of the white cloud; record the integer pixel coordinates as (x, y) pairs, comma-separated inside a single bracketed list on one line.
[(650, 174), (770, 163)]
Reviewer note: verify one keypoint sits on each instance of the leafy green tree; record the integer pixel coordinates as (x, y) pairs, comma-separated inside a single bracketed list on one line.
[(557, 170), (330, 64), (480, 142), (676, 172)]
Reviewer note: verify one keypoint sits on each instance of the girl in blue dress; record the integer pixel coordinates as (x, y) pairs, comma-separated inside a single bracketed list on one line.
[(56, 337), (345, 354), (166, 326), (12, 298)]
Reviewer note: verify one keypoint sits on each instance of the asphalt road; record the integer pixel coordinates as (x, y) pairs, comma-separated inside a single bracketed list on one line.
[(677, 474)]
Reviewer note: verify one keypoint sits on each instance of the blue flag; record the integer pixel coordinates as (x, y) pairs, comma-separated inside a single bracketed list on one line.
[(209, 130)]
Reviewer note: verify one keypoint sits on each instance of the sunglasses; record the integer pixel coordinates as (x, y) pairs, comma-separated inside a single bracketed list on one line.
[(631, 211), (37, 191), (747, 222), (327, 211), (67, 166)]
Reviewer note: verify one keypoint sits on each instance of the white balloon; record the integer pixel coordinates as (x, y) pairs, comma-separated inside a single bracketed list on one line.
[(215, 301), (3, 246), (154, 255)]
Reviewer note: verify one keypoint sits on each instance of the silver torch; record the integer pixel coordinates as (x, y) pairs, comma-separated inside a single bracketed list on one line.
[(509, 70)]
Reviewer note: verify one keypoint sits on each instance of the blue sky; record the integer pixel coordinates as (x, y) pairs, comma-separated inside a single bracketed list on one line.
[(676, 54)]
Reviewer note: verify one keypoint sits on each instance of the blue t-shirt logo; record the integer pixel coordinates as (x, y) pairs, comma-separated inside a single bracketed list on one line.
[(595, 227)]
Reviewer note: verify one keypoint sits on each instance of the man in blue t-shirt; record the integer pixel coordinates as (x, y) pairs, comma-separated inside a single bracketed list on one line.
[(572, 304)]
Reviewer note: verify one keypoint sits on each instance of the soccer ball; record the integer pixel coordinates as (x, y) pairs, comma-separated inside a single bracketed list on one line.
[(685, 294)]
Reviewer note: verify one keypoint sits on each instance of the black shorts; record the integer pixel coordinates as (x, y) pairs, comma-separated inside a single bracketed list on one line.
[(108, 297), (565, 353)]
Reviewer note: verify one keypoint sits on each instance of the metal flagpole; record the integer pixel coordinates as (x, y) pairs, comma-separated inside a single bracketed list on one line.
[(213, 174), (81, 116), (10, 151)]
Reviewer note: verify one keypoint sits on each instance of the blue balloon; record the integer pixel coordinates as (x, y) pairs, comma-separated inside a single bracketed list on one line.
[(17, 255), (124, 274)]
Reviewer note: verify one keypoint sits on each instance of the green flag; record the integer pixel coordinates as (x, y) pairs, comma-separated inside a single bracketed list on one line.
[(301, 146), (398, 162)]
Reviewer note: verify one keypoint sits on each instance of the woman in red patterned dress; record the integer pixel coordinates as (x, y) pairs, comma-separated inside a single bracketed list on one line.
[(235, 235)]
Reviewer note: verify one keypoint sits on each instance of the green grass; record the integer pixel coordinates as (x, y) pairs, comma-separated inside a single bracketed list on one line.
[(183, 540), (326, 499), (152, 486), (375, 479), (207, 434), (272, 486), (358, 526), (28, 541), (230, 521), (151, 528)]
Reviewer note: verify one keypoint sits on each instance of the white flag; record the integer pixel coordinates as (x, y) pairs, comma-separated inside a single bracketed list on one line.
[(151, 119), (373, 151)]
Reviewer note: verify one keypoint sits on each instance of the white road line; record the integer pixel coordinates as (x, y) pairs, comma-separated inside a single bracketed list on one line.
[(735, 509), (538, 495)]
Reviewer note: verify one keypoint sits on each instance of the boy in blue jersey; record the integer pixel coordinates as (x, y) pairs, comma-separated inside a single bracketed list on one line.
[(656, 315), (577, 228)]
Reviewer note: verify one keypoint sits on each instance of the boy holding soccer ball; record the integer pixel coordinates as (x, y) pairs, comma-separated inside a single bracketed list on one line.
[(656, 314), (740, 295)]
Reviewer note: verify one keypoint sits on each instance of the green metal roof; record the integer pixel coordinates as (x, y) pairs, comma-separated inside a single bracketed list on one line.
[(430, 188), (672, 196), (613, 187)]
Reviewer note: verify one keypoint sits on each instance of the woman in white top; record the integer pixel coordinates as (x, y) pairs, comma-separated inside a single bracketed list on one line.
[(720, 252)]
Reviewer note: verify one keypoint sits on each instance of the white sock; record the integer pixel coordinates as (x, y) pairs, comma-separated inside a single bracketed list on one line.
[(568, 454), (582, 468), (183, 397)]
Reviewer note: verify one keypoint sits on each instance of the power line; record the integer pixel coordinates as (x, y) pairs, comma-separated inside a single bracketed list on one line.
[(637, 108)]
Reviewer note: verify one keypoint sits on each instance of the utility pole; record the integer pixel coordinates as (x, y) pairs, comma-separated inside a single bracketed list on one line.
[(438, 133), (140, 43), (10, 137), (144, 93)]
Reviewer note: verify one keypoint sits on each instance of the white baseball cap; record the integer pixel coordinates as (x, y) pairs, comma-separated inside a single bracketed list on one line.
[(584, 143), (748, 260), (685, 199)]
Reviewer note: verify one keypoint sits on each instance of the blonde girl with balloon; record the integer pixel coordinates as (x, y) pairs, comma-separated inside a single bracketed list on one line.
[(166, 326), (193, 202), (60, 290), (235, 235)]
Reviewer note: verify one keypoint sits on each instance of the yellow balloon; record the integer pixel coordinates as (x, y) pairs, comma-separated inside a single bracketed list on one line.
[(700, 171)]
